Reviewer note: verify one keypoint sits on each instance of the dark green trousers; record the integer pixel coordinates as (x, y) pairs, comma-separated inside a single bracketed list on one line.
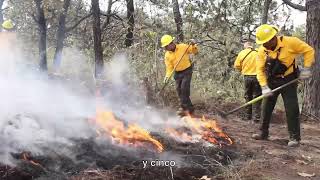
[(252, 90), (290, 99), (183, 83)]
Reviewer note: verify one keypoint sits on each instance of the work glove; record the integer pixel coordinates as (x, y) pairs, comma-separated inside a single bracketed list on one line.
[(305, 73), (266, 91)]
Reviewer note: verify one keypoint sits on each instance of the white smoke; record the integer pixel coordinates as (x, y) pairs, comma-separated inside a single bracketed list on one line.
[(37, 114), (125, 96)]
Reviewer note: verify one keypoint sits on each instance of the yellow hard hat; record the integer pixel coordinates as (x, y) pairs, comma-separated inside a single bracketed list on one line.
[(7, 24), (166, 40), (265, 33)]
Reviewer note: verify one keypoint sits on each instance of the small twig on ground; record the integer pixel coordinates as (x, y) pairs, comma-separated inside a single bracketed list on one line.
[(231, 169), (311, 116), (97, 172), (196, 165)]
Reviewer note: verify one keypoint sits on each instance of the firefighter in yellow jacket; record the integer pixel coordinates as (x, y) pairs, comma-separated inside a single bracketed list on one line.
[(8, 35), (246, 64), (7, 48), (276, 65), (182, 70)]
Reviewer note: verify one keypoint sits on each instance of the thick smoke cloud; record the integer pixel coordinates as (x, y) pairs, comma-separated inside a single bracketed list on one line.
[(39, 115)]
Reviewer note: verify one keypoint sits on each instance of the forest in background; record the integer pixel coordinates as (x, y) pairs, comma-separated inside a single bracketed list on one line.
[(81, 100), (75, 38)]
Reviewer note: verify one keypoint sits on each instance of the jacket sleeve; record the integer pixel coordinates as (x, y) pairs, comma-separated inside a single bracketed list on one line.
[(261, 61), (237, 62), (169, 65), (300, 47)]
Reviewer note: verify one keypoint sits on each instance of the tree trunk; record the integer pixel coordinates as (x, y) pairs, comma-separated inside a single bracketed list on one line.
[(178, 20), (311, 104), (1, 14), (130, 16), (42, 35), (61, 33), (98, 52), (266, 6)]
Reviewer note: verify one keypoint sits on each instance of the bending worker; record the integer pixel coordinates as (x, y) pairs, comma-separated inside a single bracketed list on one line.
[(8, 48), (8, 35), (276, 65), (177, 61), (246, 64)]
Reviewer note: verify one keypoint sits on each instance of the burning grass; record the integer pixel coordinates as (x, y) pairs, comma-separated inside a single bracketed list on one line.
[(99, 158), (190, 130), (198, 147), (131, 134), (196, 129)]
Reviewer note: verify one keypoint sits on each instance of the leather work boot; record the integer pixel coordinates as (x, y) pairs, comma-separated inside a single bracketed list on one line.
[(293, 143), (259, 137)]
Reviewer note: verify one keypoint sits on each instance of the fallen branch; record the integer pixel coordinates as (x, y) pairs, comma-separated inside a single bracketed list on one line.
[(295, 6), (311, 116)]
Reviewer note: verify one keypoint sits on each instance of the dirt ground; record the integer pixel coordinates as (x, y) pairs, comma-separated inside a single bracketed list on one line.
[(250, 159), (273, 159)]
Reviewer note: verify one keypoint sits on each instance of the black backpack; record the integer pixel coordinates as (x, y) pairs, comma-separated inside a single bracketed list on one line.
[(274, 67)]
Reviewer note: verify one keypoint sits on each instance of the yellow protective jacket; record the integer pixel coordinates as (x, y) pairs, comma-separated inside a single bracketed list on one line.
[(291, 47), (7, 40), (172, 58), (8, 53), (246, 61)]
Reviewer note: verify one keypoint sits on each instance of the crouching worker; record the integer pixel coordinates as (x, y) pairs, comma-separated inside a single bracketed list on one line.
[(276, 65), (177, 61), (246, 63)]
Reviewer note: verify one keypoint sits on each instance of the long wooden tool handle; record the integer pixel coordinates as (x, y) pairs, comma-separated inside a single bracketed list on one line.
[(255, 100), (285, 85)]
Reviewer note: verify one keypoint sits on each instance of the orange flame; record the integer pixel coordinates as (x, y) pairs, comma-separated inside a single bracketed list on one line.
[(132, 135), (26, 157), (207, 129)]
